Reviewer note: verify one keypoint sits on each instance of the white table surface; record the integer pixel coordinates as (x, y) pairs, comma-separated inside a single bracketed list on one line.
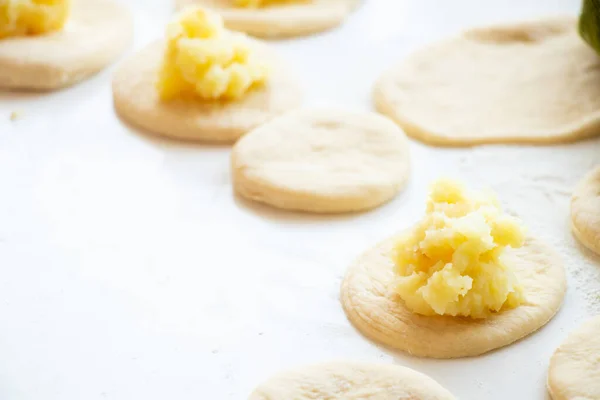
[(128, 270)]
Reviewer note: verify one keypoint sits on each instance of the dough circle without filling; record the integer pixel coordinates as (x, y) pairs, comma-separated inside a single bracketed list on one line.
[(351, 381), (96, 33), (534, 82), (136, 101), (322, 161), (585, 211), (381, 315), (574, 372), (282, 20)]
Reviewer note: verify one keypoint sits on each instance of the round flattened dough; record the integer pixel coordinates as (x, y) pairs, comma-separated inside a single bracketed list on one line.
[(382, 316), (351, 381), (323, 161), (529, 83), (96, 33), (287, 20), (574, 372), (136, 101), (585, 211)]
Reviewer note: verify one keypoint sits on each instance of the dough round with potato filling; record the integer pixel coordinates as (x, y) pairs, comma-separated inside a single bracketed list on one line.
[(96, 32), (533, 82), (349, 380), (137, 101), (279, 19), (374, 308), (322, 161), (585, 211), (574, 372)]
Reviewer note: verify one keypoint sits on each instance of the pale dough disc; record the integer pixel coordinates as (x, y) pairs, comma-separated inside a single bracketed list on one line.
[(136, 100), (97, 32), (345, 381), (323, 161), (286, 20), (574, 372), (530, 83), (380, 315), (585, 211)]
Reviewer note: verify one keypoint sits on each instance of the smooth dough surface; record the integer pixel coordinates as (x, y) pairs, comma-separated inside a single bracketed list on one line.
[(323, 161), (96, 33), (574, 372), (529, 83), (285, 20), (136, 101), (585, 211), (382, 316), (347, 381)]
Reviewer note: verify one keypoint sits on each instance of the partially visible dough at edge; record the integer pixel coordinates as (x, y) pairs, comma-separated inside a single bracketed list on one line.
[(351, 380), (574, 372), (280, 21), (97, 32), (534, 82), (585, 211)]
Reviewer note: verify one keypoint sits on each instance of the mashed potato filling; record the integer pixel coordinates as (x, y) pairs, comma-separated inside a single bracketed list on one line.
[(452, 262), (205, 60), (32, 17), (261, 3)]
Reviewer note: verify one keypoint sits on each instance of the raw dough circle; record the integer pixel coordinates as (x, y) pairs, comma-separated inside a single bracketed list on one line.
[(287, 20), (585, 211), (351, 381), (96, 32), (574, 372), (382, 316), (529, 83), (322, 161), (136, 100)]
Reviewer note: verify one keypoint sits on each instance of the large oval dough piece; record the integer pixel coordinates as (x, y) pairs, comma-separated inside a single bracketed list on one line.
[(346, 381), (530, 83), (323, 161), (285, 20), (380, 315), (574, 372), (137, 101), (585, 211), (97, 32)]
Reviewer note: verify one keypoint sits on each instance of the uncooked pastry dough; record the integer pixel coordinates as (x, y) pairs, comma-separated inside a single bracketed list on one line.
[(585, 211), (530, 83), (96, 32), (137, 101), (345, 381), (323, 161), (574, 372), (284, 20), (379, 314)]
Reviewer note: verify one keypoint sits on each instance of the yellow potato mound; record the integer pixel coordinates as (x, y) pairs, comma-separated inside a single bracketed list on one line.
[(32, 17), (452, 261), (262, 3), (205, 60)]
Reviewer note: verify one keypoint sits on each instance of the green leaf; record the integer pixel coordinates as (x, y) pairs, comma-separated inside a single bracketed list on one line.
[(589, 23)]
